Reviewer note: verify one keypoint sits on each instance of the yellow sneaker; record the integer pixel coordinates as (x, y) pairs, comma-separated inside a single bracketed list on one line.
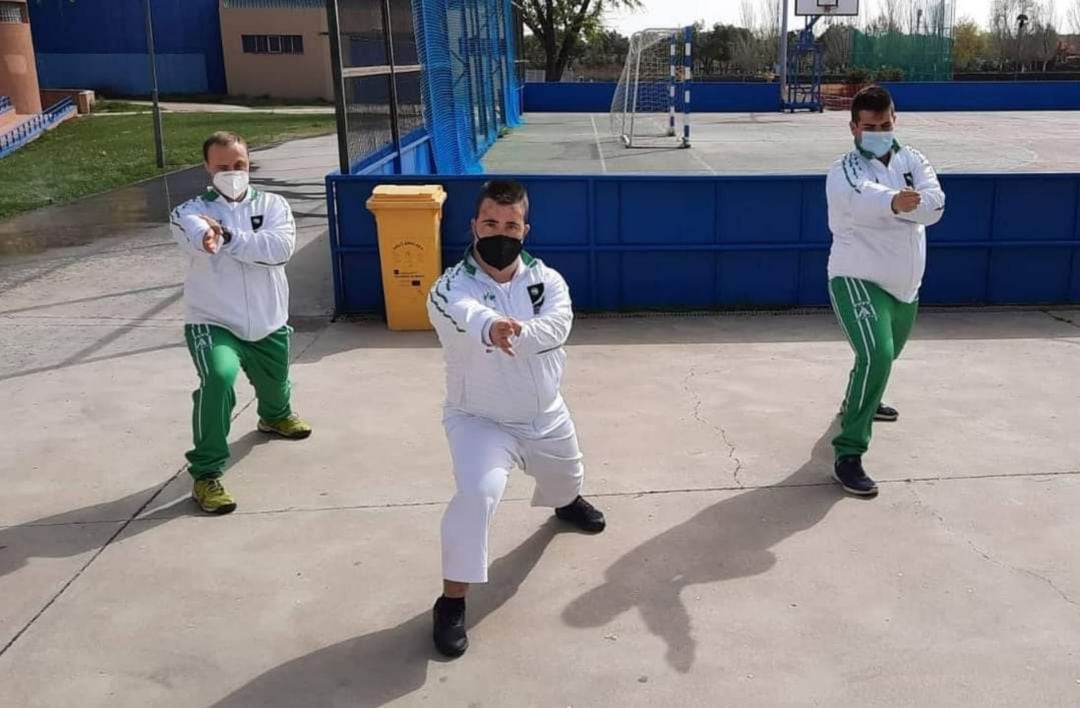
[(292, 427), (212, 497)]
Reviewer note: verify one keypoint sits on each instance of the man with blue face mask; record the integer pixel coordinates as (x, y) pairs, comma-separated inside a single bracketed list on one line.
[(882, 195), (236, 302), (503, 318)]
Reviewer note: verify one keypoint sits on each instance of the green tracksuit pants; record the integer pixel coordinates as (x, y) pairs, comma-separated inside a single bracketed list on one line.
[(877, 325), (219, 355)]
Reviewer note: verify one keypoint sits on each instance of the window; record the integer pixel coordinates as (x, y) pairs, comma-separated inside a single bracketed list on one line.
[(294, 45), (12, 13), (272, 43)]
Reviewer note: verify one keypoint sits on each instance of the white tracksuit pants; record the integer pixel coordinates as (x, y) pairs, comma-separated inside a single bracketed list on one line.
[(483, 453)]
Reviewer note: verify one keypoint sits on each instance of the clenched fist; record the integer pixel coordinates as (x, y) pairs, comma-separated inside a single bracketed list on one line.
[(906, 201)]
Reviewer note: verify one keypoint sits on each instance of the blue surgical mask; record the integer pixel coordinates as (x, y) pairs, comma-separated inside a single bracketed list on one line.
[(878, 144)]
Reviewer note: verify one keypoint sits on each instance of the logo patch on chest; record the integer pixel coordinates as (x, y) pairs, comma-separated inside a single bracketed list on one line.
[(909, 180), (256, 222), (536, 295)]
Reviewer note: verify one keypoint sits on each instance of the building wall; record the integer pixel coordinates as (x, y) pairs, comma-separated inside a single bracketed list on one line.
[(101, 44), (18, 73), (297, 76)]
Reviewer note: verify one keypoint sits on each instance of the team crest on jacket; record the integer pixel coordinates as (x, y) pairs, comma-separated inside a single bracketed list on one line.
[(536, 294), (256, 222)]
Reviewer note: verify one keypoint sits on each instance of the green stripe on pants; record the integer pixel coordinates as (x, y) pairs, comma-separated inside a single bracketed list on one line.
[(877, 325), (218, 356)]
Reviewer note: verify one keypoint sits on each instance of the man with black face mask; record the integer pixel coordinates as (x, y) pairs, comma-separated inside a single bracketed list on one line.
[(502, 317)]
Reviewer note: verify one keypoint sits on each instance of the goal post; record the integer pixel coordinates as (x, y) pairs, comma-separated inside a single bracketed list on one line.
[(651, 105)]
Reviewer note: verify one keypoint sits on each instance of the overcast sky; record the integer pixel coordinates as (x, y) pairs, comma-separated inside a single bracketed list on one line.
[(677, 13)]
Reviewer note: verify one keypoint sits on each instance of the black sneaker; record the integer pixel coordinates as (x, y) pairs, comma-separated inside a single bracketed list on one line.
[(449, 627), (848, 471), (583, 515), (886, 414), (883, 414)]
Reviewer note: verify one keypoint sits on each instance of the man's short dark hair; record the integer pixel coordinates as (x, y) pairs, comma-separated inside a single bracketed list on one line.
[(872, 99), (224, 138), (505, 192)]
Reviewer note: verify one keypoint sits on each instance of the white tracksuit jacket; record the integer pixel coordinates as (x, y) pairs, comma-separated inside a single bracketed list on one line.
[(870, 242), (242, 287), (481, 380)]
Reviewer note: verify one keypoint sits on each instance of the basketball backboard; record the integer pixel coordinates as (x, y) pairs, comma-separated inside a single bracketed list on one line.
[(827, 8)]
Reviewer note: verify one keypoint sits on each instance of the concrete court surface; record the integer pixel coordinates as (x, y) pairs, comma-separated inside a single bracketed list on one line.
[(785, 143), (733, 572)]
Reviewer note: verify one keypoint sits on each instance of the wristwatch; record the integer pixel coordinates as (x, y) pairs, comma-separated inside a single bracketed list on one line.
[(226, 236)]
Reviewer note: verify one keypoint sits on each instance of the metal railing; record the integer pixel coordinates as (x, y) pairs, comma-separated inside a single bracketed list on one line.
[(6, 104), (26, 131)]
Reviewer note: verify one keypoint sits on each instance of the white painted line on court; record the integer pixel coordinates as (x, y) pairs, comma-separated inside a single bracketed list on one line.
[(697, 157), (599, 150)]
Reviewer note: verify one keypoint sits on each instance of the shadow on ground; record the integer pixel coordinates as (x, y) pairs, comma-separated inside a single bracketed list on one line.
[(730, 539), (376, 668)]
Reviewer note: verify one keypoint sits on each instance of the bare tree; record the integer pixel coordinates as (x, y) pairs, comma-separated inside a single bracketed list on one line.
[(748, 14), (743, 54), (767, 32), (889, 14), (1044, 40), (1073, 14), (1003, 29)]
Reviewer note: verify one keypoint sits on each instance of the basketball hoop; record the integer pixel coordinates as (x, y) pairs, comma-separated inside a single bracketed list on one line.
[(826, 8)]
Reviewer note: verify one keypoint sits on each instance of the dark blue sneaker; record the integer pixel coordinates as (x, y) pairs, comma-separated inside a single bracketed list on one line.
[(849, 472)]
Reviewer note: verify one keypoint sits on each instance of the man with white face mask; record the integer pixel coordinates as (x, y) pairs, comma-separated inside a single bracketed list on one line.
[(503, 318), (236, 301), (882, 195)]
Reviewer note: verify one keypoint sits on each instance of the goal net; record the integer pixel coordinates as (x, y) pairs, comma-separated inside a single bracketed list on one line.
[(651, 107)]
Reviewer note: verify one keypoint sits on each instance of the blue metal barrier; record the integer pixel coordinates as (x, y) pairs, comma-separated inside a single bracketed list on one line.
[(28, 130), (6, 104), (727, 97), (666, 242)]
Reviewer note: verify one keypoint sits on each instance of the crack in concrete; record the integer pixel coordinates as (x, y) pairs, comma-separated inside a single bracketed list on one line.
[(984, 554), (717, 428), (1059, 318)]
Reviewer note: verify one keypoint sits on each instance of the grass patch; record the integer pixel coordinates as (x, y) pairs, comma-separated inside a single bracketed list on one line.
[(96, 154), (120, 107)]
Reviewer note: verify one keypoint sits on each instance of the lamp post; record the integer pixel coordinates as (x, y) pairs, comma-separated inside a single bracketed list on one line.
[(159, 142), (1021, 22)]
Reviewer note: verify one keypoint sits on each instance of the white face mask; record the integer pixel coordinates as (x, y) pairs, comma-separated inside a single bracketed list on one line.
[(231, 184)]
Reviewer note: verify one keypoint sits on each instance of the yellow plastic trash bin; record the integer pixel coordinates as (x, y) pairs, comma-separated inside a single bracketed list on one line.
[(408, 219)]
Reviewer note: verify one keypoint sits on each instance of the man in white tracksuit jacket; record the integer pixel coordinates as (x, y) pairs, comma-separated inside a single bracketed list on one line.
[(236, 301), (882, 196), (503, 318)]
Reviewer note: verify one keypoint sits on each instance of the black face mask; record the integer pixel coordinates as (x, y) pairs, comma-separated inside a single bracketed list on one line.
[(499, 251)]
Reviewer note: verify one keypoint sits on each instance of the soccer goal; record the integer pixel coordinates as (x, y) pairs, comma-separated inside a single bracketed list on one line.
[(651, 107)]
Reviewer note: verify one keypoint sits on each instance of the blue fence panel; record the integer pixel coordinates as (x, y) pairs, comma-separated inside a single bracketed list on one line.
[(470, 87), (124, 74), (726, 97), (986, 95), (596, 97), (187, 36), (643, 242)]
